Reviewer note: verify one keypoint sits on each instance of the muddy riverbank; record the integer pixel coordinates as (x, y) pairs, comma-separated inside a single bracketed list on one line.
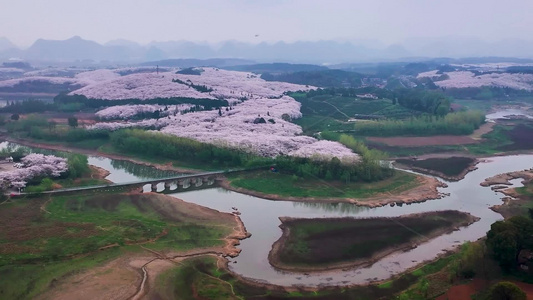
[(457, 220)]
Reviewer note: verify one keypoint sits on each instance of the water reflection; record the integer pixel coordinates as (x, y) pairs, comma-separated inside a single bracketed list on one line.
[(261, 218), (503, 114), (142, 171), (121, 171), (333, 207)]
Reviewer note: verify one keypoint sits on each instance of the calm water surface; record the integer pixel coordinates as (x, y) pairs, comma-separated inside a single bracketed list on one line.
[(261, 218)]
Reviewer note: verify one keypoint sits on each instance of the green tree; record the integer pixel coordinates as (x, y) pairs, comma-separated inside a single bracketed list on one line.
[(423, 287), (506, 291), (52, 125), (15, 117), (77, 165), (507, 238), (73, 122)]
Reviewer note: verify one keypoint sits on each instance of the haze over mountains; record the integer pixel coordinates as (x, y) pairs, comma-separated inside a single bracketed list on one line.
[(317, 52)]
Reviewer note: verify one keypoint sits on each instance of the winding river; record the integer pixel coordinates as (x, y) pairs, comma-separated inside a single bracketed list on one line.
[(261, 218)]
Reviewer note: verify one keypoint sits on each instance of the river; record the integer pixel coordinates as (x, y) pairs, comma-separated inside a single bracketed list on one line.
[(261, 218)]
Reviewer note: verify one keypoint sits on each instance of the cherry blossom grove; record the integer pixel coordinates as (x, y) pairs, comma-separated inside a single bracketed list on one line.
[(128, 111), (34, 165), (255, 125), (465, 79), (229, 85), (257, 120), (321, 147)]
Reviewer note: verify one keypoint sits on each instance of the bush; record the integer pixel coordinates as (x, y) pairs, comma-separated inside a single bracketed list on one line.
[(27, 124), (506, 291)]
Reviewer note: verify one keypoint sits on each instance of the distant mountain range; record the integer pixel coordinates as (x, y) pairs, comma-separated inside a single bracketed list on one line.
[(119, 51)]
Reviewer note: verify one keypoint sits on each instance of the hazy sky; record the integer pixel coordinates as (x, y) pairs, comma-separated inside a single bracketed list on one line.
[(388, 21)]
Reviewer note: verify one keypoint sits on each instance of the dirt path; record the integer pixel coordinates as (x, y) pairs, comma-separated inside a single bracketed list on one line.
[(483, 129), (426, 189), (348, 117)]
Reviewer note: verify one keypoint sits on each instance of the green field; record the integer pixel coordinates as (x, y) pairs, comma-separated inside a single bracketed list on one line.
[(292, 186), (332, 112), (44, 239), (325, 242), (512, 135)]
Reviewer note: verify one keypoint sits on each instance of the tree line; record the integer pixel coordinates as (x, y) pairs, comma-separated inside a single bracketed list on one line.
[(72, 103), (141, 142), (460, 123)]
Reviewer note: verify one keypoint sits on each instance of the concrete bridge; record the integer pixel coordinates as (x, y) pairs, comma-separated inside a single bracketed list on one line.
[(161, 185)]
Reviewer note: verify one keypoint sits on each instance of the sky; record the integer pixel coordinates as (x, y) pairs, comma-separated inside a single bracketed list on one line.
[(385, 21)]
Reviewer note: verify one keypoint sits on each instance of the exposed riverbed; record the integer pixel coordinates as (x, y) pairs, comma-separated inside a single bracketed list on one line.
[(261, 218)]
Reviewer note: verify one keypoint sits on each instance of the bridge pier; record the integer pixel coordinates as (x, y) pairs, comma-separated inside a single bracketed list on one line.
[(185, 183), (154, 187)]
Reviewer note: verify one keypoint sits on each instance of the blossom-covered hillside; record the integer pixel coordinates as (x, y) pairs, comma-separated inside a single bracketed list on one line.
[(466, 79), (229, 85), (128, 111), (257, 120)]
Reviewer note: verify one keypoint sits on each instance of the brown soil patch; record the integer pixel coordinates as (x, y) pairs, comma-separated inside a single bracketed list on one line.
[(117, 279), (99, 173), (513, 203), (421, 141), (426, 189), (337, 239), (465, 291), (503, 179)]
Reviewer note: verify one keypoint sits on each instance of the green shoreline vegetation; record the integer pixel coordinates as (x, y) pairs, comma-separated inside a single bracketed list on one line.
[(203, 274), (44, 239), (459, 123), (287, 185), (143, 143)]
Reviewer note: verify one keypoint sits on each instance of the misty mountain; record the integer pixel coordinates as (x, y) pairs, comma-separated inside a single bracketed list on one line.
[(301, 52), (275, 68), (192, 62), (6, 44), (457, 47)]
